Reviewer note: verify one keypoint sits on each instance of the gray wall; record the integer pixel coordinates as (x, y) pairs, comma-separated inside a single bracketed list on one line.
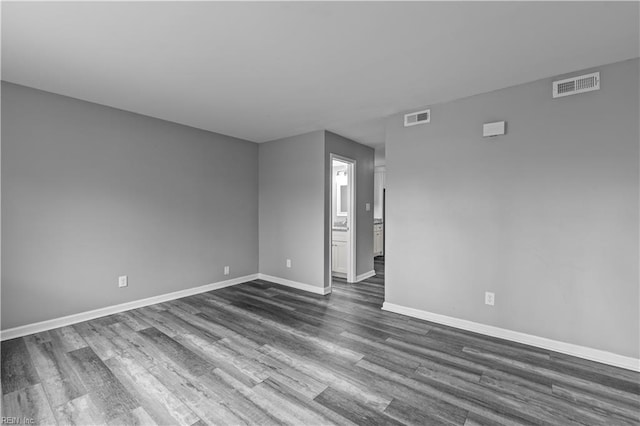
[(292, 209), (90, 193), (364, 156), (545, 216), (295, 206)]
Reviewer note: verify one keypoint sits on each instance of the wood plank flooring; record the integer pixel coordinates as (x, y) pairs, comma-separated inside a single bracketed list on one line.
[(262, 354)]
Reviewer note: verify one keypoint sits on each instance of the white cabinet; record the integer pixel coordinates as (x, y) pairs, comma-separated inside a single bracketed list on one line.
[(378, 239), (339, 257), (339, 254)]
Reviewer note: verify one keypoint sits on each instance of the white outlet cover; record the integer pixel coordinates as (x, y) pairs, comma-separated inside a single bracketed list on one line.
[(288, 263), (123, 281), (367, 206), (489, 298), (226, 270)]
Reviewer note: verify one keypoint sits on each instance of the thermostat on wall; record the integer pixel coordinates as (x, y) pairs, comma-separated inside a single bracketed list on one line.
[(493, 129)]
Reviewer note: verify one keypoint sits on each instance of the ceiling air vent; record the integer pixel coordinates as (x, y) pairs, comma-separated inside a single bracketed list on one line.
[(418, 117), (575, 85)]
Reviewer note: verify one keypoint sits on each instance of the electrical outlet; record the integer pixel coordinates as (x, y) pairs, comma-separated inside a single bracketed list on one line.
[(123, 281), (288, 263), (367, 206), (489, 298), (226, 270)]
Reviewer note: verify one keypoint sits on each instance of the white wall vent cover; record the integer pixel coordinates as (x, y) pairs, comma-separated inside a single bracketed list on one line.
[(575, 85), (417, 117)]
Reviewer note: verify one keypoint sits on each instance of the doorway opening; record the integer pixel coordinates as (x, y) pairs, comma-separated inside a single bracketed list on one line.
[(343, 219)]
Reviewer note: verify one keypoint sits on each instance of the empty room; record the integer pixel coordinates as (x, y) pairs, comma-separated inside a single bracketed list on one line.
[(320, 213)]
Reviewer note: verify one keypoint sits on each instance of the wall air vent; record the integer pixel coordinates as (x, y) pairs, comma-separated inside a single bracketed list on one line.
[(418, 117), (575, 85)]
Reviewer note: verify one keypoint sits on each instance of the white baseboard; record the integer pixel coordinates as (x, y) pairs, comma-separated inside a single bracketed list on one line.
[(295, 284), (515, 336), (366, 275), (37, 327)]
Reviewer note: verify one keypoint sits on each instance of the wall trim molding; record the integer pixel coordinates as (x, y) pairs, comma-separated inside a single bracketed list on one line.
[(295, 284), (37, 327), (369, 274), (516, 336)]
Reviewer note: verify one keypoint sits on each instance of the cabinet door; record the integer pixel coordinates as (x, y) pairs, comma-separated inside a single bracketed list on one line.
[(376, 243), (339, 256)]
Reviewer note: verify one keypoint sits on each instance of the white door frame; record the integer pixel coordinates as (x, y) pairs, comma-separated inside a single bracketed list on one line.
[(351, 217)]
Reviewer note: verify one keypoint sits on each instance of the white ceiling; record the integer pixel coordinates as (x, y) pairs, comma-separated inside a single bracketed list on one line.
[(262, 71)]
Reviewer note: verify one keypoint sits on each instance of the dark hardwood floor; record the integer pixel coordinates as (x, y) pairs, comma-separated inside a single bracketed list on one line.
[(259, 353)]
